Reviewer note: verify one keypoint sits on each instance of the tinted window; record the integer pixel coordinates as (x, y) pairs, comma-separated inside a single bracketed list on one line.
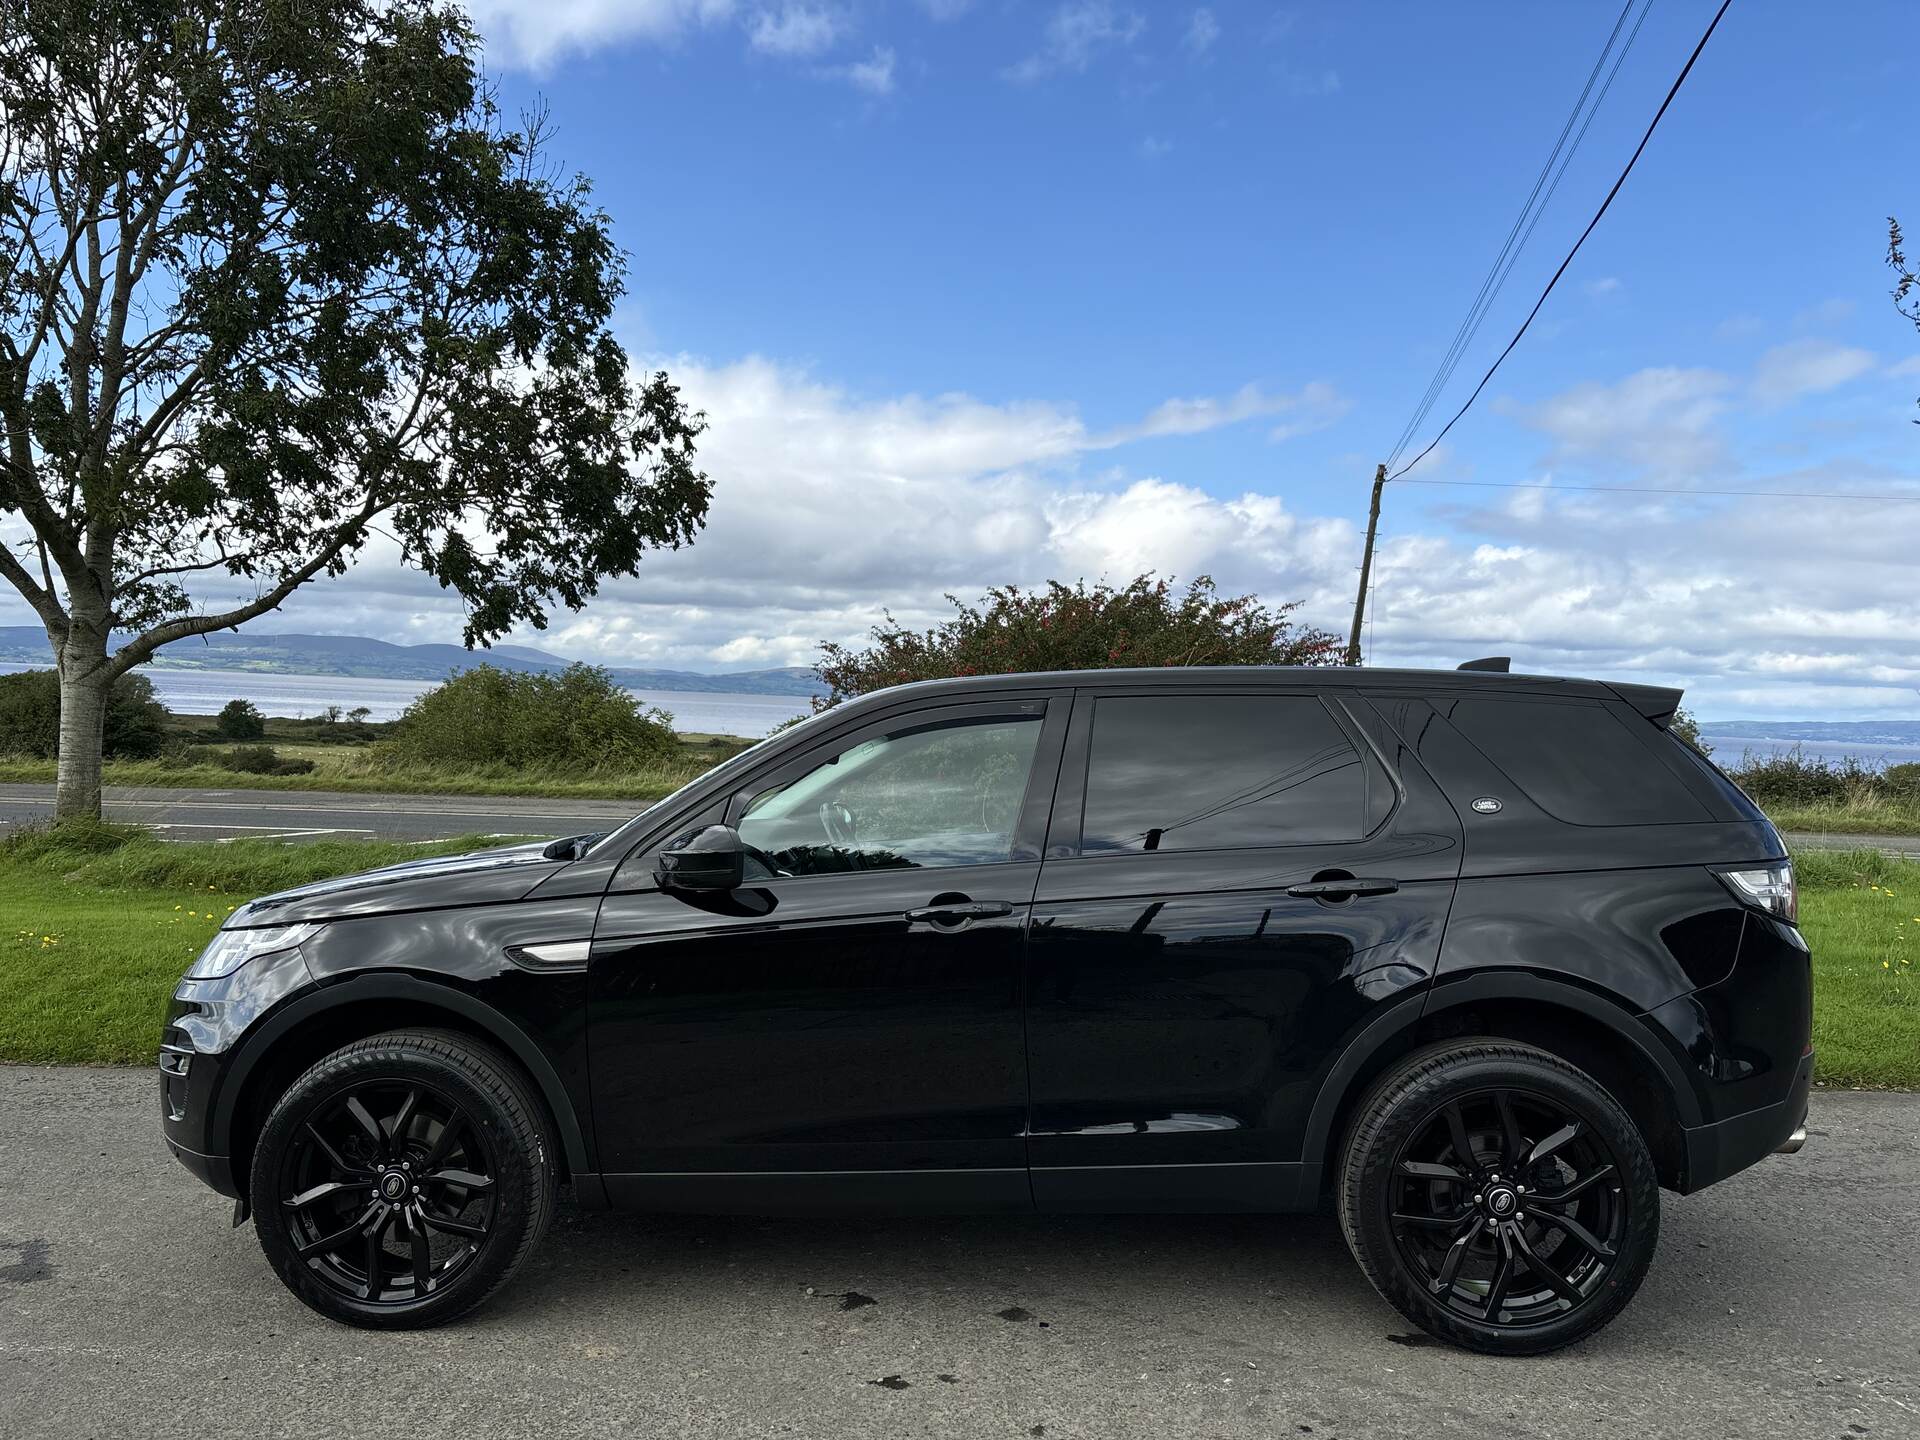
[(1207, 772), (1576, 761), (935, 795)]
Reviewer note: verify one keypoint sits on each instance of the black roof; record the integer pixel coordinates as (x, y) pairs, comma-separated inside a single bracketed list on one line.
[(1655, 702)]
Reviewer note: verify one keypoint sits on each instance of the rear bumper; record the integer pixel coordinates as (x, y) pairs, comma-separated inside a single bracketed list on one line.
[(1713, 1152)]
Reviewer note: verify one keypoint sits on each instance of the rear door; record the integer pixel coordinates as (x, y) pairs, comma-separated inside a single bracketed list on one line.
[(1235, 880)]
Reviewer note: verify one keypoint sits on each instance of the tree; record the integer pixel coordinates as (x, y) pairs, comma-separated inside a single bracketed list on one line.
[(1077, 627), (134, 726), (240, 720), (1906, 288), (1688, 729), (277, 278), (578, 719)]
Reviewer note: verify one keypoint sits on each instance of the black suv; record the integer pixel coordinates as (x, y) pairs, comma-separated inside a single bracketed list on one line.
[(1482, 960)]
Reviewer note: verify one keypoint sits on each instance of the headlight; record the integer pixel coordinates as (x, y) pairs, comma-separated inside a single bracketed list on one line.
[(231, 949), (1770, 888)]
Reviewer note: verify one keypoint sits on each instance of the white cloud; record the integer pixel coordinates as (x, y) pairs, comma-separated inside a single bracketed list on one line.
[(1154, 147), (1606, 285), (1314, 407), (1075, 33), (797, 31), (874, 74), (534, 33), (1908, 366), (1202, 30), (1665, 419), (1806, 367), (830, 508)]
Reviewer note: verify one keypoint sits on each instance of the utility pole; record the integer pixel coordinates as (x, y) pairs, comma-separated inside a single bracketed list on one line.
[(1366, 566)]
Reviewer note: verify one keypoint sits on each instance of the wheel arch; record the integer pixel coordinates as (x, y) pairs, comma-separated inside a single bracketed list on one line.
[(1600, 1035), (321, 1022)]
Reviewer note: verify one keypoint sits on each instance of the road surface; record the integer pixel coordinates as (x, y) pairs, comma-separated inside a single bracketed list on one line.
[(321, 814), (1781, 1303)]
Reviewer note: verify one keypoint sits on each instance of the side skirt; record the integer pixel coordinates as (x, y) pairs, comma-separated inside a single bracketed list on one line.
[(823, 1192)]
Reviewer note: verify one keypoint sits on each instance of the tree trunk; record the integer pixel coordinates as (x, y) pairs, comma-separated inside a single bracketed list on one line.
[(83, 715)]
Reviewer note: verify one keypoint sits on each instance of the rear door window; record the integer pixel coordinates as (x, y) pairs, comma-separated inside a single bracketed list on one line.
[(1577, 761), (1209, 772)]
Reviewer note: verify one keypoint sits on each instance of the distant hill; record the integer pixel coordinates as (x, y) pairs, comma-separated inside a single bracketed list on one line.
[(380, 660)]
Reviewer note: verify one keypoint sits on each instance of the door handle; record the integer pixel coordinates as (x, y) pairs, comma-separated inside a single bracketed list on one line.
[(955, 915), (1342, 889)]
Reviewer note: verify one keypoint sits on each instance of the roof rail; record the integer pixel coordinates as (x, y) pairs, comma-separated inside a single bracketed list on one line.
[(1500, 664)]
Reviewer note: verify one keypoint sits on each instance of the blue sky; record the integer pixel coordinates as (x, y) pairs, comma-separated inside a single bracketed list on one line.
[(990, 292)]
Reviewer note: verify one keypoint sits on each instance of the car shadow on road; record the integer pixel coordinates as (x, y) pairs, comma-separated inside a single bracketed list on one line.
[(1024, 1269)]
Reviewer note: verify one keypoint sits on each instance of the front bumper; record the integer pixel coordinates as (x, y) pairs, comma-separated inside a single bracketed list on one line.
[(205, 1025), (1728, 1146)]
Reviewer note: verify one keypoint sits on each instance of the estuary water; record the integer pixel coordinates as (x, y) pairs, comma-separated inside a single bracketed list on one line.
[(203, 692)]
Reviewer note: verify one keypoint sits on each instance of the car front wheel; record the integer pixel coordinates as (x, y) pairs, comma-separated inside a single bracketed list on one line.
[(403, 1179), (1498, 1197)]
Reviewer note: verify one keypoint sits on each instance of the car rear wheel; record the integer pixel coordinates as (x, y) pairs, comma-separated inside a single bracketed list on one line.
[(403, 1179), (1499, 1197)]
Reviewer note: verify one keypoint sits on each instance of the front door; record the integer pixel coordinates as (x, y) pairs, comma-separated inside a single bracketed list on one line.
[(1233, 884), (846, 1029)]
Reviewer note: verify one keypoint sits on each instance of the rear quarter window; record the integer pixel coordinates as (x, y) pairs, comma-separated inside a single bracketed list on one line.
[(1577, 761)]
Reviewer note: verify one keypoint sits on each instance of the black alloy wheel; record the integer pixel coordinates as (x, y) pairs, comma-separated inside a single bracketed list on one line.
[(1502, 1227), (387, 1191), (403, 1179), (1499, 1197)]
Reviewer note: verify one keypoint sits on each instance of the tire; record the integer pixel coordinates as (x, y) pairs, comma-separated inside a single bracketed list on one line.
[(1475, 1253), (336, 1200)]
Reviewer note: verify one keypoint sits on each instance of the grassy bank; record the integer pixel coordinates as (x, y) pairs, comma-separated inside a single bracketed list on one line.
[(360, 770), (1873, 818), (98, 926)]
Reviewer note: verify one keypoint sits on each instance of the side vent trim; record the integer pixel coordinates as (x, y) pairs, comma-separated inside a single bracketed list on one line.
[(551, 955)]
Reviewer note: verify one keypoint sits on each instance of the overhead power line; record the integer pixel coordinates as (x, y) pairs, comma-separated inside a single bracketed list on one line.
[(1523, 226), (1605, 205)]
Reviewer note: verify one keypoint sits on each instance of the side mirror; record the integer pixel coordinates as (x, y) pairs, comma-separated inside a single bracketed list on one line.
[(707, 861)]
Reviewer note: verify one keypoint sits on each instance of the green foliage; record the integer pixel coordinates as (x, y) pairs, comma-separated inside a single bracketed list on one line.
[(578, 720), (1793, 778), (1688, 729), (30, 716), (280, 275), (1078, 627), (1903, 780), (240, 720), (261, 760)]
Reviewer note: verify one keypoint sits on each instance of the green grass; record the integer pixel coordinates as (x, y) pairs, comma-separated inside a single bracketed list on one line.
[(97, 924), (1861, 915), (1865, 817)]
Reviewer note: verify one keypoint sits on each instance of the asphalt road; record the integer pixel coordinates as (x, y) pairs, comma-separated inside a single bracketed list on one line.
[(1782, 1303), (321, 814), (317, 814)]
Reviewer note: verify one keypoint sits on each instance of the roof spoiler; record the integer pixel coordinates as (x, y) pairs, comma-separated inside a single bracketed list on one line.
[(1499, 664), (1657, 702)]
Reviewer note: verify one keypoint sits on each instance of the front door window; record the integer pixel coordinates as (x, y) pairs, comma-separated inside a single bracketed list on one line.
[(924, 796)]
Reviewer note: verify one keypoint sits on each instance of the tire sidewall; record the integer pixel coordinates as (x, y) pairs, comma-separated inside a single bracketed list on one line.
[(1399, 1109), (520, 1171)]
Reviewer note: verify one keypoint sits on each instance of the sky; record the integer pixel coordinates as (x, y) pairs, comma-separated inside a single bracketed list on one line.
[(976, 292)]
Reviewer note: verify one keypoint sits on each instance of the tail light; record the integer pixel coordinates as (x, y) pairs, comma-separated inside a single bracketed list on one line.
[(1766, 887)]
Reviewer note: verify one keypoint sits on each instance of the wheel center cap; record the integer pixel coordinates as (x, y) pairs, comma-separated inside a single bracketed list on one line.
[(393, 1185), (1502, 1202)]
